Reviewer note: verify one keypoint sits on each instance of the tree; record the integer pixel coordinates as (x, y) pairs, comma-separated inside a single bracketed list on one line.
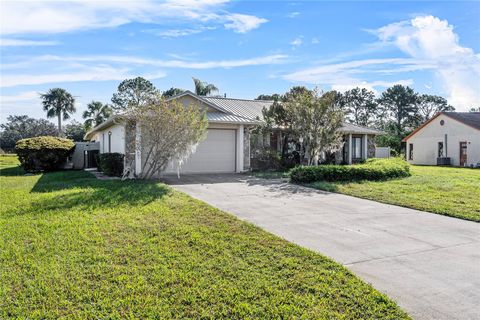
[(57, 102), (401, 104), (359, 106), (269, 97), (172, 92), (75, 131), (473, 109), (133, 93), (316, 120), (169, 131), (429, 105), (96, 113), (22, 127), (203, 88)]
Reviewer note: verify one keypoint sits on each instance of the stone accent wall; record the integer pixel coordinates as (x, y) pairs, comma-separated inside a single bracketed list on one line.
[(130, 130), (246, 150), (371, 146)]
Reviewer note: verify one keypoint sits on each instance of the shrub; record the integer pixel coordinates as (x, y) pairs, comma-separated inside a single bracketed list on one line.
[(111, 163), (43, 153), (372, 169)]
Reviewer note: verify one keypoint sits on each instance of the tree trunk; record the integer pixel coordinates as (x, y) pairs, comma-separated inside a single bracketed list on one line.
[(59, 124)]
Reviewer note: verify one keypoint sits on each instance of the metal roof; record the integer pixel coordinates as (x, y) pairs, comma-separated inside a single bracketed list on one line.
[(356, 129), (250, 109), (220, 117)]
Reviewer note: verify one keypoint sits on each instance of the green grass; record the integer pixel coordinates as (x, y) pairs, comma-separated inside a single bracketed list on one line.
[(453, 192), (75, 247)]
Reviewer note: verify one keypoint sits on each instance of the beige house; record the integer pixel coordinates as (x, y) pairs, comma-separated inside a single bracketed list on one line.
[(449, 138), (228, 144)]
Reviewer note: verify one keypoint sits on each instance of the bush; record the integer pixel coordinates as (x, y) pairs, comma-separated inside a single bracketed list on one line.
[(372, 169), (111, 163), (43, 153)]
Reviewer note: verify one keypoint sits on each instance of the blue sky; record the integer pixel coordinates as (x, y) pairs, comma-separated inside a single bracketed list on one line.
[(246, 48)]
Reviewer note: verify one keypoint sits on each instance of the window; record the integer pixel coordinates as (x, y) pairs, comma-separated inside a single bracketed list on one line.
[(357, 147), (410, 151), (440, 149)]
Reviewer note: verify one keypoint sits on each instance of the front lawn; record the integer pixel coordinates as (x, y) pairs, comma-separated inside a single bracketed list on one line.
[(449, 191), (76, 247)]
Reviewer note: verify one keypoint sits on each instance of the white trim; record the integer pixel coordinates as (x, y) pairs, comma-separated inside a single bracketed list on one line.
[(349, 148), (365, 146), (239, 160)]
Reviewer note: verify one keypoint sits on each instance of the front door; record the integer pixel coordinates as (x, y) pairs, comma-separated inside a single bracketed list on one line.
[(463, 153)]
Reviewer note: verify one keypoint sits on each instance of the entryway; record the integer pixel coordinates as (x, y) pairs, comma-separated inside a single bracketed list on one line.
[(463, 153)]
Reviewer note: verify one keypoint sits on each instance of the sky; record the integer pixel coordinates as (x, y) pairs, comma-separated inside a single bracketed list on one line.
[(245, 48)]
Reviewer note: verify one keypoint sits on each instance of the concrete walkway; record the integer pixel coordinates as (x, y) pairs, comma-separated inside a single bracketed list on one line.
[(428, 263)]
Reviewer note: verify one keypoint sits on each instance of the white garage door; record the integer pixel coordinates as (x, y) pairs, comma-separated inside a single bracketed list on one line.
[(214, 154)]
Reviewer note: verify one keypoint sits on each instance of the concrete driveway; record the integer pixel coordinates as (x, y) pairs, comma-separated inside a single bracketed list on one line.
[(428, 263)]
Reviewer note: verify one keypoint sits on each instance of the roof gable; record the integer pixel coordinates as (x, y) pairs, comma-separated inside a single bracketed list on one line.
[(471, 119)]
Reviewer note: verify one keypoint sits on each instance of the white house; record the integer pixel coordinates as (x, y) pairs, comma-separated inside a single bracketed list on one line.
[(447, 138), (227, 145)]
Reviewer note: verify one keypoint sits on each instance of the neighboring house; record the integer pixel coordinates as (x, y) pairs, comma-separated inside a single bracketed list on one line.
[(447, 138), (226, 147)]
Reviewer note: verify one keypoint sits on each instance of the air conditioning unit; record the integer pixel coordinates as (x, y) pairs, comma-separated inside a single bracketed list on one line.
[(444, 161)]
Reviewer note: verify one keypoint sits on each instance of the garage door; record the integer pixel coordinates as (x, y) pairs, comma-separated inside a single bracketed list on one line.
[(214, 154)]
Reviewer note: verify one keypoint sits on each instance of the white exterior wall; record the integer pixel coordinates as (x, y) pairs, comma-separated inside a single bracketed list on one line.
[(425, 142), (117, 139)]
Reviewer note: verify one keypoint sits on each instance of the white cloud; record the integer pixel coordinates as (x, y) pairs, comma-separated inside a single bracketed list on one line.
[(346, 73), (21, 97), (293, 14), (297, 41), (242, 23), (81, 73), (434, 40), (24, 43), (315, 41), (49, 17), (104, 68), (175, 33)]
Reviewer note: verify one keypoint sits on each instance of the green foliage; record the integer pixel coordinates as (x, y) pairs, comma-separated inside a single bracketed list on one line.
[(43, 153), (96, 113), (269, 97), (172, 92), (58, 102), (360, 106), (77, 247), (203, 88), (429, 105), (372, 169), (22, 127), (75, 131), (449, 191), (111, 163), (132, 93)]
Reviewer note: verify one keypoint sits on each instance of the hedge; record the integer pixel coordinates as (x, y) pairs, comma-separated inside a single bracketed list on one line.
[(111, 163), (44, 153), (372, 169)]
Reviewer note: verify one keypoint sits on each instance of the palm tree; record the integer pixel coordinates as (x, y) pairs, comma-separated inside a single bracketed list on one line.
[(203, 88), (57, 102), (96, 113)]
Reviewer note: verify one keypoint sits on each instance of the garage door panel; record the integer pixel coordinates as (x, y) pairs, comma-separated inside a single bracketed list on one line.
[(214, 154)]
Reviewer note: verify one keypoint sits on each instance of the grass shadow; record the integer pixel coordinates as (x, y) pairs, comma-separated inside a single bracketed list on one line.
[(79, 190), (11, 171)]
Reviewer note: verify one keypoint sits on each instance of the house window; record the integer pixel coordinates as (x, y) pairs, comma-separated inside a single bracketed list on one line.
[(410, 151), (357, 147), (440, 149)]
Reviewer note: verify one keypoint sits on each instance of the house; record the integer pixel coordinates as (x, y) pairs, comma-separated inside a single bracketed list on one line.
[(449, 138), (227, 145)]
